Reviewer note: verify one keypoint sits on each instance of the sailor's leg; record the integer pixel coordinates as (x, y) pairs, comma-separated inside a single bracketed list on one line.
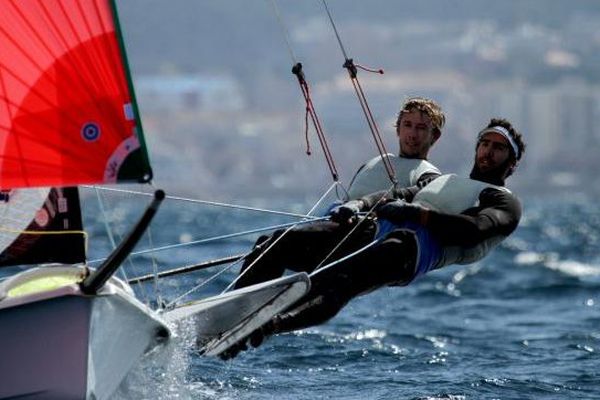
[(261, 270), (391, 262), (325, 241), (300, 250)]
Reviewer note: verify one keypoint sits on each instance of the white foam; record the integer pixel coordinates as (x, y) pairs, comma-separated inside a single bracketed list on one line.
[(574, 268), (552, 261)]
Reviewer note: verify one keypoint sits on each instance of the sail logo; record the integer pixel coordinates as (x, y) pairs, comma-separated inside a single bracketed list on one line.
[(90, 131), (42, 218)]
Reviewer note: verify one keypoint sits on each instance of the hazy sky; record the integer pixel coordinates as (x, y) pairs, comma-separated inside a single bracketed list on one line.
[(453, 51)]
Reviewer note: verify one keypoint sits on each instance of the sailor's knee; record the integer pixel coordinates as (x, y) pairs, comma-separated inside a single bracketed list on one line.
[(398, 256)]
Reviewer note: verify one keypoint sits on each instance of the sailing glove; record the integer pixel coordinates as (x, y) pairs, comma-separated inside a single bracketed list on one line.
[(346, 212), (400, 211)]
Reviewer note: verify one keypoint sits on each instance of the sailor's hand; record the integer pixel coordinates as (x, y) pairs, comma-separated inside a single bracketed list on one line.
[(400, 211), (346, 213)]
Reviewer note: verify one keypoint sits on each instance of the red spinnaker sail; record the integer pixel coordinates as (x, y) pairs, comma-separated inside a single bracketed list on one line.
[(67, 110)]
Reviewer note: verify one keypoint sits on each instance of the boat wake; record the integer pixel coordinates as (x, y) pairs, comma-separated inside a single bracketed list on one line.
[(162, 375)]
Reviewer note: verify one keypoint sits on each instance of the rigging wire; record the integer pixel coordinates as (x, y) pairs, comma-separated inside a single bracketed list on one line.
[(205, 202), (311, 112), (215, 238), (369, 213), (242, 257), (307, 219), (286, 35), (113, 242), (346, 257), (174, 302), (352, 69), (312, 210)]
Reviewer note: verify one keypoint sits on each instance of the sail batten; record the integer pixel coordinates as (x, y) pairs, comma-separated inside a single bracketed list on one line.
[(67, 112)]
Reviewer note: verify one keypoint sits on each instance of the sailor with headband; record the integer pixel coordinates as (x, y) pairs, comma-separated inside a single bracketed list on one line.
[(452, 220)]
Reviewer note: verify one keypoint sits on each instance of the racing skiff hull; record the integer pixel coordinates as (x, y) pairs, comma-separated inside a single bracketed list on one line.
[(63, 344)]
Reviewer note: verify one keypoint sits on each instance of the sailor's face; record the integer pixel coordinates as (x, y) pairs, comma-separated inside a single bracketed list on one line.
[(415, 134), (492, 152)]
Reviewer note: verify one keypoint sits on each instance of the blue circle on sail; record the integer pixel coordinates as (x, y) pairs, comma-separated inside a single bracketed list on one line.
[(90, 131)]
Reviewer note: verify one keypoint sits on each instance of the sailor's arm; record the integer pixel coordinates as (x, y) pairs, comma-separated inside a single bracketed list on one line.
[(498, 213), (347, 211), (404, 193)]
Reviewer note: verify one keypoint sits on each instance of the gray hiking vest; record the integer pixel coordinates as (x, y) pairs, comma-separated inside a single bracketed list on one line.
[(373, 177)]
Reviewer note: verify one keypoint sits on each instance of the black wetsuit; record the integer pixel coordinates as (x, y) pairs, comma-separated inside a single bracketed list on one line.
[(497, 214), (304, 248)]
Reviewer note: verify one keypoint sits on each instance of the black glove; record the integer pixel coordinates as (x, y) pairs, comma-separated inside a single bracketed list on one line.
[(399, 211), (346, 212)]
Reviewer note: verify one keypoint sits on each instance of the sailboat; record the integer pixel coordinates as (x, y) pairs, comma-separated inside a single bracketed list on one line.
[(68, 117)]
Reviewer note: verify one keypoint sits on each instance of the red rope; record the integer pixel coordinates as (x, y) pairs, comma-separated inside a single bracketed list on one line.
[(310, 111), (362, 99), (352, 70), (376, 71), (308, 152)]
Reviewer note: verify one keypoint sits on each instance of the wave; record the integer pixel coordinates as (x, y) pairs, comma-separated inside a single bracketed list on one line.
[(552, 262)]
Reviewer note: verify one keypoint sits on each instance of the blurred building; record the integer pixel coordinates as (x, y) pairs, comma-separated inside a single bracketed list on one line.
[(189, 93)]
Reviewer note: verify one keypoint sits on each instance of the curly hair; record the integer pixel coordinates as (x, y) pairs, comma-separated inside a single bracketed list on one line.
[(428, 107)]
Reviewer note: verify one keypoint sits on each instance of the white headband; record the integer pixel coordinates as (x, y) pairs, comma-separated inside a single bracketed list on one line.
[(504, 132)]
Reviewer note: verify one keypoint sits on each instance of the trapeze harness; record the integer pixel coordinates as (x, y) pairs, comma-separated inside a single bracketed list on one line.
[(372, 177), (448, 194)]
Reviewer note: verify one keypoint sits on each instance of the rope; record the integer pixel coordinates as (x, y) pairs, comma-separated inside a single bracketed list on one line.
[(312, 112), (310, 108), (371, 122), (353, 73), (336, 186), (308, 219), (204, 202), (337, 35), (113, 242), (204, 283), (261, 255), (312, 210), (243, 257), (286, 36), (336, 262), (215, 238), (368, 213)]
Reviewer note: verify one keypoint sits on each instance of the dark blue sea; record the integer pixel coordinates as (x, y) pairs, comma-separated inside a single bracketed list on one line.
[(524, 323)]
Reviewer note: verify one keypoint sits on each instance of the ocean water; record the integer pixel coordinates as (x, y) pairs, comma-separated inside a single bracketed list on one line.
[(524, 323)]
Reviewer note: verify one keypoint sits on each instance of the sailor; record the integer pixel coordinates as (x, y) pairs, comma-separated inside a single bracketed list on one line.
[(418, 126), (452, 220)]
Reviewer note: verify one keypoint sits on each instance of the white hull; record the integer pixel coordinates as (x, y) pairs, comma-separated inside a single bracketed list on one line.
[(62, 344), (221, 321)]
